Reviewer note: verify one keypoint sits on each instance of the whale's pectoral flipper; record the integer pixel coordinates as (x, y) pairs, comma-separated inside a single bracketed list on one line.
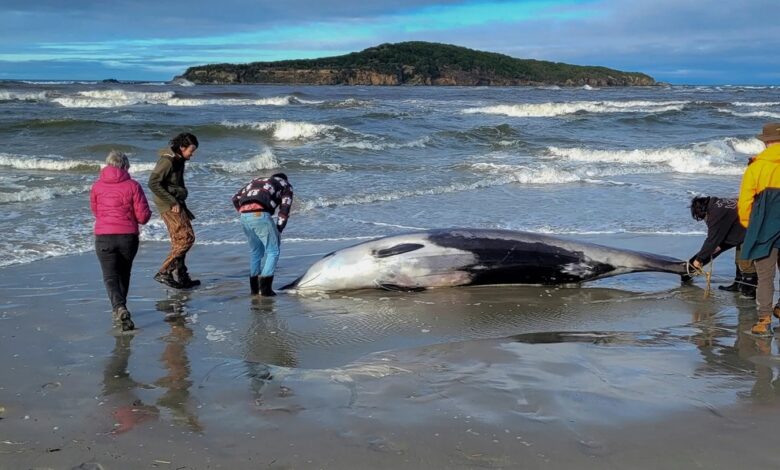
[(397, 288), (397, 250)]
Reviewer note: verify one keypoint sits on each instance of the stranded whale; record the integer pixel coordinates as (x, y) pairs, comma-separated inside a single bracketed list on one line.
[(459, 257)]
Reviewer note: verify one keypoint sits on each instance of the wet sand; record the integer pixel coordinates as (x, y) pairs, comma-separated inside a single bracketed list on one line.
[(630, 372)]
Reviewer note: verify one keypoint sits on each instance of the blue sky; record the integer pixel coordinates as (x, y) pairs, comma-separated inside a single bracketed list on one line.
[(676, 41)]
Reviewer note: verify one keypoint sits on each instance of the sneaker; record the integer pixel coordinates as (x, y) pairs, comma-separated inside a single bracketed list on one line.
[(762, 326), (168, 280), (124, 319)]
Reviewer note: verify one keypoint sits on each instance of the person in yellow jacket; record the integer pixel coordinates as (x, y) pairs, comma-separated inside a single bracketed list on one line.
[(763, 228)]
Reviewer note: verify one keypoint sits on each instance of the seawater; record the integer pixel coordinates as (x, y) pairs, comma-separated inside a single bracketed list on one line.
[(374, 161)]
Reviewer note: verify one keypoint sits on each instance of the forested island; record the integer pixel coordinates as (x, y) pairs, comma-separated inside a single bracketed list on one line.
[(416, 63)]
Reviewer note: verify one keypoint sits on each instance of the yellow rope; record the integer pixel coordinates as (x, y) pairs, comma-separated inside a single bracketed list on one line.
[(708, 276)]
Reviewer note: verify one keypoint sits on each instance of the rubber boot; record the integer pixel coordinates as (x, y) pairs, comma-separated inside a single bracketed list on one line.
[(266, 283), (734, 286), (762, 326), (748, 286), (254, 285), (184, 277)]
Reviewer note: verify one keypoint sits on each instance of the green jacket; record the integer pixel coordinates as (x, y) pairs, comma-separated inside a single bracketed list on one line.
[(167, 182), (763, 231)]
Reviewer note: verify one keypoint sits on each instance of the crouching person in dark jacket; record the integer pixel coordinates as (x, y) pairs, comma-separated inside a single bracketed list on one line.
[(257, 202), (723, 233)]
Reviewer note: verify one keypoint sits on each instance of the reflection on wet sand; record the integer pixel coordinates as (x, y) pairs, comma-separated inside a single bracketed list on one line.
[(730, 349), (177, 383), (118, 384), (130, 410), (174, 358), (267, 343)]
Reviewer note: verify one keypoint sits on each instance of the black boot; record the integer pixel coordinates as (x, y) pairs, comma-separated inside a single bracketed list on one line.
[(184, 277), (254, 285), (748, 287), (735, 286), (266, 283), (168, 280)]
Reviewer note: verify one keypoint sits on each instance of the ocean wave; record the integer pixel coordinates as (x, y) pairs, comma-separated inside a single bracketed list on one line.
[(518, 175), (287, 130), (308, 163), (24, 162), (750, 146), (680, 161), (42, 194), (180, 81), (272, 101), (347, 103), (709, 158), (756, 104), (111, 98), (564, 108), (751, 114), (380, 144), (56, 163), (23, 95), (265, 160), (116, 98), (525, 175)]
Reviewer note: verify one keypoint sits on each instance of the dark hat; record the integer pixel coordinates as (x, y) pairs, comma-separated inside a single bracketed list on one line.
[(770, 132)]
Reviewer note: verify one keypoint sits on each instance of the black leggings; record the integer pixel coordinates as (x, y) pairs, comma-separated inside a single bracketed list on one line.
[(116, 254)]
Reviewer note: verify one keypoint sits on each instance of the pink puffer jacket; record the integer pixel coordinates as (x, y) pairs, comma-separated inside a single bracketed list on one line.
[(118, 203)]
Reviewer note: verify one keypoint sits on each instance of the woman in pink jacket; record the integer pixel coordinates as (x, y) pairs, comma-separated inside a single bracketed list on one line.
[(119, 204)]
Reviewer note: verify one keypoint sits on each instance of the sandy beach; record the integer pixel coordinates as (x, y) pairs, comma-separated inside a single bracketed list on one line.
[(630, 372)]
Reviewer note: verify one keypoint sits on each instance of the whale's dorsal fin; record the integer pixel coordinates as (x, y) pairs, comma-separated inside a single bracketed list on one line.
[(397, 250)]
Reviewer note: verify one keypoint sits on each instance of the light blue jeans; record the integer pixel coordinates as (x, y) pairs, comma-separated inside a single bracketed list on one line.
[(263, 237)]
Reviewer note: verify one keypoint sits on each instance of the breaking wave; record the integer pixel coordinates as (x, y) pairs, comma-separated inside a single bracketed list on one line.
[(714, 158), (572, 107), (121, 98), (263, 161), (42, 194), (287, 130), (55, 163), (23, 95)]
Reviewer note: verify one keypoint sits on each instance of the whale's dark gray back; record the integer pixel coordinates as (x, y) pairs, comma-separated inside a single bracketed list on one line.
[(505, 258)]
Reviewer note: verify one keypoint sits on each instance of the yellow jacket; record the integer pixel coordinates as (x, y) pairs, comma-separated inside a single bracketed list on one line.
[(763, 173)]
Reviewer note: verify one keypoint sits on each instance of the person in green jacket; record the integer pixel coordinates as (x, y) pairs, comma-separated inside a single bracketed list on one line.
[(170, 194)]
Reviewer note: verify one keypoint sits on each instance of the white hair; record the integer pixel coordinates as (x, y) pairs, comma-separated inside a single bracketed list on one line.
[(118, 159)]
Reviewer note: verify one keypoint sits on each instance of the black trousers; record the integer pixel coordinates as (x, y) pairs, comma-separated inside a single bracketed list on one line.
[(116, 254)]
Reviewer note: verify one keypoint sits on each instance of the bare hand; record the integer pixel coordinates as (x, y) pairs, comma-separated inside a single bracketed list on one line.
[(696, 264), (176, 209)]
